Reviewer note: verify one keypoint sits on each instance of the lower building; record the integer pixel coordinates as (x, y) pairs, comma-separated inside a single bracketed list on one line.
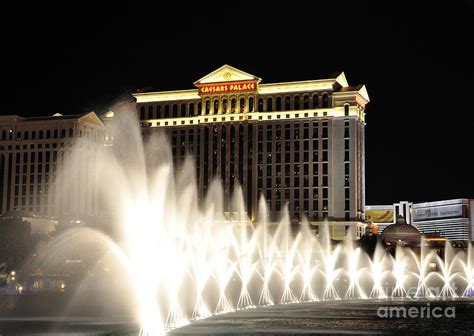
[(451, 219)]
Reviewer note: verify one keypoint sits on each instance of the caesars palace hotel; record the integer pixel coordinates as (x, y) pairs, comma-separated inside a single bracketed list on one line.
[(300, 144)]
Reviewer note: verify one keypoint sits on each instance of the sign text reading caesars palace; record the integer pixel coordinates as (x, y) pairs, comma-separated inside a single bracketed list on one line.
[(227, 87)]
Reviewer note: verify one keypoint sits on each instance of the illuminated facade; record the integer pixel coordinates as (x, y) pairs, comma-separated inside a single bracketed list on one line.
[(451, 219), (299, 144), (32, 152)]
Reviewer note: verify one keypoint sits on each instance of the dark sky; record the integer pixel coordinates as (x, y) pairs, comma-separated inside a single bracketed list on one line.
[(415, 57)]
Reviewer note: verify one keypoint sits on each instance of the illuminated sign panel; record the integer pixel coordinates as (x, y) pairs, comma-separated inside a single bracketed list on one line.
[(437, 212), (227, 87), (379, 216)]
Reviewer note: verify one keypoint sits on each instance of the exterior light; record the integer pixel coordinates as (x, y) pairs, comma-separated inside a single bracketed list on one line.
[(13, 273)]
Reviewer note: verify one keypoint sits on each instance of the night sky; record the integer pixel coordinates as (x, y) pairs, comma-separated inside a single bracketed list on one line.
[(415, 59)]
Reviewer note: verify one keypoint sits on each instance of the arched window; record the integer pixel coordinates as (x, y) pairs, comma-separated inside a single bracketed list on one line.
[(233, 105), (183, 110), (4, 135), (278, 104), (199, 108), (315, 101), (251, 104), (142, 112), (242, 104), (191, 109), (158, 111), (55, 133), (167, 111), (305, 102), (63, 133), (325, 100), (269, 105), (33, 135), (71, 132), (216, 106), (150, 112), (18, 135), (48, 134), (260, 105), (41, 134), (287, 104), (224, 105), (26, 135), (208, 106), (346, 109), (297, 102), (175, 110)]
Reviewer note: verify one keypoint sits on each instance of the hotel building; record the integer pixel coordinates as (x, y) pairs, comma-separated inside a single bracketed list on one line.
[(300, 144), (33, 150), (452, 219)]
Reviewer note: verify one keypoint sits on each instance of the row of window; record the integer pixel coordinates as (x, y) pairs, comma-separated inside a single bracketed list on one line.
[(234, 105), (49, 134)]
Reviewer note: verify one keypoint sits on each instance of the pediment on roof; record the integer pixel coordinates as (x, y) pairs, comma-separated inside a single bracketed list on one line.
[(226, 73)]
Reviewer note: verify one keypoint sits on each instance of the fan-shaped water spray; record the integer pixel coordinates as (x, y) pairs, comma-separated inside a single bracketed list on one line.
[(189, 260)]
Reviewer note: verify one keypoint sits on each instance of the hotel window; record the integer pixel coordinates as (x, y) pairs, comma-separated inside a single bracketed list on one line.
[(346, 109), (346, 156), (346, 192), (260, 105), (305, 102), (224, 105), (269, 105), (150, 112), (346, 168), (18, 135), (175, 110), (167, 111), (297, 102), (251, 104), (158, 111), (48, 134), (346, 144), (191, 109), (233, 105), (242, 105), (346, 181), (183, 110), (325, 181), (325, 100), (325, 144), (287, 104), (199, 109), (325, 132), (278, 104), (63, 133), (315, 101), (142, 112), (208, 106), (71, 132), (346, 216)]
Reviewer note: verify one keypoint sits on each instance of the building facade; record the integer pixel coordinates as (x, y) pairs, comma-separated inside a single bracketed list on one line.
[(33, 152), (299, 144), (451, 219)]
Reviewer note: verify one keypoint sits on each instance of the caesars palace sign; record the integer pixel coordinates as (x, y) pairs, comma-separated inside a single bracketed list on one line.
[(227, 87)]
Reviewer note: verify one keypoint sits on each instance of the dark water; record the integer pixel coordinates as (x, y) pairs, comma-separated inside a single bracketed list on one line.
[(341, 317)]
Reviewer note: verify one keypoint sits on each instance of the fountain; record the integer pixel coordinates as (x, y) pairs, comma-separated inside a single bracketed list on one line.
[(188, 261)]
